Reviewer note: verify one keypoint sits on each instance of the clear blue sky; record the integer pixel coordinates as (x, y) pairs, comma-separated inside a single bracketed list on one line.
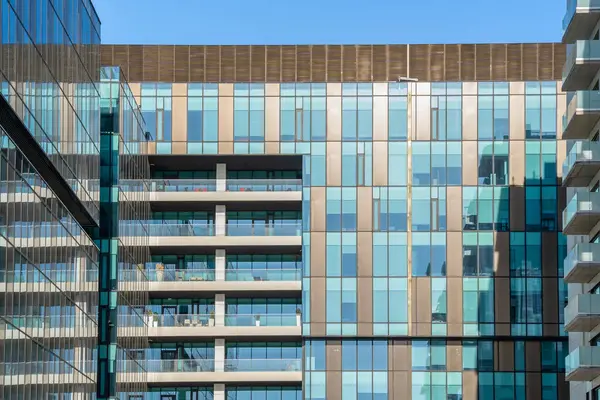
[(329, 21)]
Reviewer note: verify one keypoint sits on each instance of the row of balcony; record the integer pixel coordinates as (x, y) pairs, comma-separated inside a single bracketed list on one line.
[(159, 327), (166, 372)]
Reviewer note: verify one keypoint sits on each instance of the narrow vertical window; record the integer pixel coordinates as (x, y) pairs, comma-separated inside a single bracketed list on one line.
[(376, 214), (435, 118)]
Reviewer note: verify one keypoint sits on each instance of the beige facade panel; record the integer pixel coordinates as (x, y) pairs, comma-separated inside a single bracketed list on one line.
[(272, 123), (380, 163), (380, 115), (334, 118), (334, 163), (318, 209), (364, 209), (517, 116), (179, 128)]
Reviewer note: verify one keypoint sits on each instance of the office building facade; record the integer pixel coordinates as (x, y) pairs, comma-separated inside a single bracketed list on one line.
[(279, 222), (405, 199), (580, 217)]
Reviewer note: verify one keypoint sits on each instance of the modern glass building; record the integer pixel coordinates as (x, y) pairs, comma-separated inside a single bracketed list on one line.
[(317, 222), (580, 177), (354, 222)]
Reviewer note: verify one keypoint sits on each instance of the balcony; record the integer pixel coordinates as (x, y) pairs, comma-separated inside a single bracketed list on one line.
[(583, 364), (582, 164), (179, 372), (580, 19), (278, 233), (217, 191), (583, 113), (582, 213), (582, 263), (582, 314), (581, 66)]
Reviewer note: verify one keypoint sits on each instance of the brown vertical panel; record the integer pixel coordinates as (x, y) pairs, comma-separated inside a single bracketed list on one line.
[(333, 355), (563, 387), (225, 116), (455, 305), (365, 254), (334, 115), (506, 356), (467, 62), (399, 385), (437, 61), (150, 63), (242, 64), (533, 385), (399, 357), (452, 62), (550, 303), (469, 117), (398, 61), (274, 64), (365, 209), (546, 61), (334, 163), (272, 147), (182, 64), (166, 67), (317, 301), (179, 120), (530, 62), (303, 63), (422, 306), (514, 59), (106, 55), (380, 63), (470, 385), (258, 64), (136, 64), (272, 114), (319, 63), (470, 167), (517, 117), (288, 63), (454, 254), (380, 163), (549, 259), (502, 312), (483, 62), (517, 162), (317, 254), (364, 62), (334, 384), (179, 148), (121, 58), (212, 64), (501, 254), (454, 208), (419, 62), (317, 208), (517, 208), (454, 355), (197, 67), (365, 306), (380, 117), (334, 63), (532, 356), (498, 52), (349, 63), (560, 55), (227, 63)]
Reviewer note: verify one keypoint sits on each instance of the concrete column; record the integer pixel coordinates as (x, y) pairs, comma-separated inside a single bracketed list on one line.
[(221, 177), (219, 309), (220, 221), (219, 355), (219, 391), (220, 262)]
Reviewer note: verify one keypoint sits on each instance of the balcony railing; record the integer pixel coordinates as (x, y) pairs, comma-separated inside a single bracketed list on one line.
[(182, 185), (292, 228), (583, 364), (172, 229), (573, 5), (50, 322), (262, 320), (581, 164), (264, 185), (582, 263), (50, 276), (581, 213), (170, 275), (167, 320), (257, 365), (263, 274)]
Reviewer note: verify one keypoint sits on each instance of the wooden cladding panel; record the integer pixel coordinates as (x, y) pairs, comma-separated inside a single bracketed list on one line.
[(338, 63)]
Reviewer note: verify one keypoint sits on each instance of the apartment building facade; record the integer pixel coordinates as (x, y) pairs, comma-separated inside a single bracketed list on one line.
[(580, 82)]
